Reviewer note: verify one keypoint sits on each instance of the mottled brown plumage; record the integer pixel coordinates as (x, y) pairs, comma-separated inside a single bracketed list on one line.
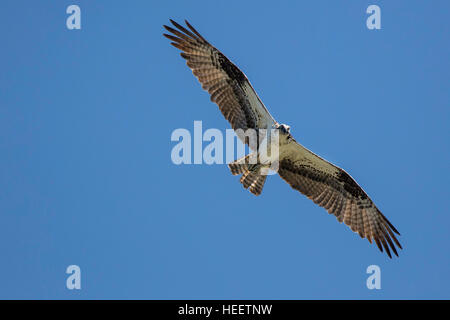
[(342, 197), (228, 86)]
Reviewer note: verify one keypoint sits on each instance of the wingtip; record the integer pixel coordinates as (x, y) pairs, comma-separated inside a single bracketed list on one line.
[(388, 251), (395, 230), (175, 24)]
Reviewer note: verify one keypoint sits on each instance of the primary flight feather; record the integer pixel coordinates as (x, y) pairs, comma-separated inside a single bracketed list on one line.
[(324, 183)]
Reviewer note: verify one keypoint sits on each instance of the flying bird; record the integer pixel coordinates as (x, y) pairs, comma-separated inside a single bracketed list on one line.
[(324, 183)]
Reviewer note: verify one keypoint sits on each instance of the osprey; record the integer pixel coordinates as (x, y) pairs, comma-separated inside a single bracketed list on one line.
[(324, 183)]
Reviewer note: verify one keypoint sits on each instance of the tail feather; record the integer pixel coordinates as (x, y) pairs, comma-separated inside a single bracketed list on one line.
[(257, 185), (239, 166), (252, 178), (248, 178)]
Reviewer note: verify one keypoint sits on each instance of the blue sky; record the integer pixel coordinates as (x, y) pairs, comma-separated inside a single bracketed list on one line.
[(86, 176)]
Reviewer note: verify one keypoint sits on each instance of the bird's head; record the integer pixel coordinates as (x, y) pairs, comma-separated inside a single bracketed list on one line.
[(284, 128)]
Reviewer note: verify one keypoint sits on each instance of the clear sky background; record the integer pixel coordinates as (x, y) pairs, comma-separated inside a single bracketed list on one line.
[(86, 176)]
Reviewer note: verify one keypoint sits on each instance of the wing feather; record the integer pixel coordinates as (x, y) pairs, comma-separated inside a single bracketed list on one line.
[(228, 86), (335, 190)]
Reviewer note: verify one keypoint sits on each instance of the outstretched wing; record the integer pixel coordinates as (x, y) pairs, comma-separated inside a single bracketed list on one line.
[(228, 86), (335, 190)]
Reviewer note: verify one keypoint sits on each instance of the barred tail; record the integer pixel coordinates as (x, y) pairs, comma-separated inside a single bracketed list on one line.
[(239, 166), (251, 178)]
